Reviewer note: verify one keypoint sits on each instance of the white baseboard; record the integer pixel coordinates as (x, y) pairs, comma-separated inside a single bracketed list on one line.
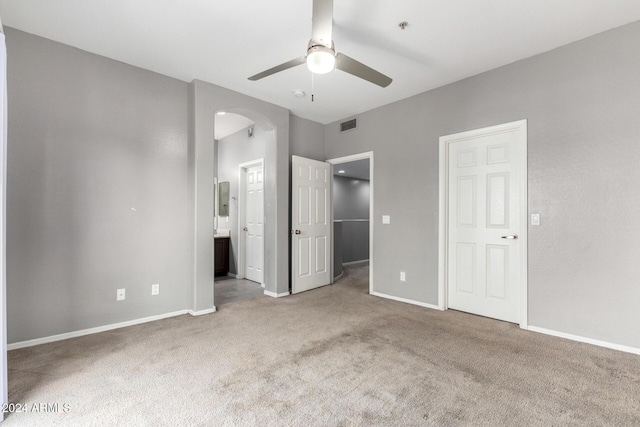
[(362, 261), (235, 276), (275, 295), (262, 284), (578, 338), (202, 312), (405, 300), (75, 334), (339, 276)]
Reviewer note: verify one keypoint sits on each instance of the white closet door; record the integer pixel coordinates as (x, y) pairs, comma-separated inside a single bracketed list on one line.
[(485, 175)]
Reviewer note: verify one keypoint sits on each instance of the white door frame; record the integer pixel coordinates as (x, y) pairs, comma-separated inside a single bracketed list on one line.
[(242, 180), (346, 159), (444, 204)]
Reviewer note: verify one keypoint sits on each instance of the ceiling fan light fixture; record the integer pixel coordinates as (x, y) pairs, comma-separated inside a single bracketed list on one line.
[(321, 59)]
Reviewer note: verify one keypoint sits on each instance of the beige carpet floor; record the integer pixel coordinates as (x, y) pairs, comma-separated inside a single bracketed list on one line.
[(335, 356)]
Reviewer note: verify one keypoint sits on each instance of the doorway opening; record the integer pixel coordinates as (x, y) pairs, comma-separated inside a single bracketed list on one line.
[(240, 146), (352, 213)]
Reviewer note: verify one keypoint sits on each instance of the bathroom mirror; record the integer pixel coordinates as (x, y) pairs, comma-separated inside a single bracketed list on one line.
[(223, 198)]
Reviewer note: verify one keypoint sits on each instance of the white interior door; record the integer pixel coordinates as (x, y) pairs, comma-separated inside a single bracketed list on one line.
[(311, 222), (254, 224), (485, 181)]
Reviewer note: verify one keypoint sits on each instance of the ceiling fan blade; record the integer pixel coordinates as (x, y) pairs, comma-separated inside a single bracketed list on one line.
[(278, 68), (358, 69), (322, 22)]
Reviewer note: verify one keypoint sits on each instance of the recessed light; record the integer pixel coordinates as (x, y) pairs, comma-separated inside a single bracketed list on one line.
[(221, 113), (340, 171)]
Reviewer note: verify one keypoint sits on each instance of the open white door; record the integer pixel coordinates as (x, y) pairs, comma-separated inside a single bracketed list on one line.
[(311, 224)]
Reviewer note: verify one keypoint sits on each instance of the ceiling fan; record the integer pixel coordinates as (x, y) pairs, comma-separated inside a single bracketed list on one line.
[(321, 56)]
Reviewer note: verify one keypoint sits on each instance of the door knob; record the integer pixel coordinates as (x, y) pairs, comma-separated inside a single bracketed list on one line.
[(245, 229), (512, 237), (296, 232)]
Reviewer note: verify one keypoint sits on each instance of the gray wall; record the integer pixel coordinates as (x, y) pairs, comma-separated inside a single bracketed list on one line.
[(355, 241), (97, 190), (582, 106), (351, 201), (91, 138), (232, 151), (350, 198), (306, 138)]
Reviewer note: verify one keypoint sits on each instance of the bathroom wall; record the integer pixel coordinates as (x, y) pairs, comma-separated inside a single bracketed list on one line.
[(233, 150)]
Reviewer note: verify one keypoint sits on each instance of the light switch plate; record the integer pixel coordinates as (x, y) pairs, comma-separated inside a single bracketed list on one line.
[(535, 219), (386, 219)]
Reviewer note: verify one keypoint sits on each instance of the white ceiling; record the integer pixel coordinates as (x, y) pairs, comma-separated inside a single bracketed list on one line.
[(228, 123), (224, 42)]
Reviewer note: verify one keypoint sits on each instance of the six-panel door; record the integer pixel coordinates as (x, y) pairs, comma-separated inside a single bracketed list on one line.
[(311, 218), (483, 223), (254, 217)]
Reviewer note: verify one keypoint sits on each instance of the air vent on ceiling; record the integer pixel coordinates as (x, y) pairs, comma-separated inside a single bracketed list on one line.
[(348, 125)]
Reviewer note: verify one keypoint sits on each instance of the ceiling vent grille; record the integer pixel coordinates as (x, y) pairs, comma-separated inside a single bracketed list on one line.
[(348, 125)]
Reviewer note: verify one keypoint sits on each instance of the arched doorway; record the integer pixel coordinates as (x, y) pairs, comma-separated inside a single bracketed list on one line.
[(205, 100), (240, 149)]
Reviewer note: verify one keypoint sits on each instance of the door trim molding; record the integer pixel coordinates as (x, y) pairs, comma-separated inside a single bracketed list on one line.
[(520, 125), (351, 158), (242, 186)]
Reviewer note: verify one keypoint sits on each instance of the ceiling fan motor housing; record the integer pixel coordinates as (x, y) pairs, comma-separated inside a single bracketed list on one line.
[(321, 59)]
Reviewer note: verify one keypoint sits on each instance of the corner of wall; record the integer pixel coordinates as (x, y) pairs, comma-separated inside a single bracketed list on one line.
[(191, 101)]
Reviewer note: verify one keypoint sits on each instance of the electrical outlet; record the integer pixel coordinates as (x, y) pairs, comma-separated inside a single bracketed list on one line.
[(120, 294), (403, 276), (386, 219), (155, 289)]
